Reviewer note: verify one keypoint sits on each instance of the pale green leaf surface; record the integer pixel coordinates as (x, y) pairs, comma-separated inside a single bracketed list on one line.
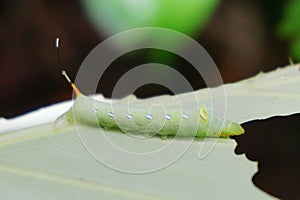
[(46, 163), (38, 163)]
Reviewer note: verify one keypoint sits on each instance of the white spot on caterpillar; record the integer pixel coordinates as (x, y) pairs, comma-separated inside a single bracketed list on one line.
[(95, 110), (129, 116), (111, 114), (168, 117), (149, 117), (184, 116)]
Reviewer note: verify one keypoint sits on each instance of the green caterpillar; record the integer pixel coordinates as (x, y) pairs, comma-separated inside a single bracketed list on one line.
[(190, 121), (88, 111)]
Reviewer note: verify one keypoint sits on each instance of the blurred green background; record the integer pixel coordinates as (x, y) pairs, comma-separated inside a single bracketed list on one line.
[(242, 36)]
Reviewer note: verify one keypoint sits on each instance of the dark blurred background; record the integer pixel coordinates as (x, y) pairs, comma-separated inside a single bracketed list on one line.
[(242, 36)]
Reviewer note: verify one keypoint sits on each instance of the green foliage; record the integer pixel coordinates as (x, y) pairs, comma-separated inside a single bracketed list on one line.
[(110, 17), (289, 27), (115, 16)]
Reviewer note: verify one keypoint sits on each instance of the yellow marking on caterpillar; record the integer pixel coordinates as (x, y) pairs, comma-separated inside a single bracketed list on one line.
[(203, 113)]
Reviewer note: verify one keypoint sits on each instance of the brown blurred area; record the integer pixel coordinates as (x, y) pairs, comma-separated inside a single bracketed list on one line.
[(240, 37), (30, 76)]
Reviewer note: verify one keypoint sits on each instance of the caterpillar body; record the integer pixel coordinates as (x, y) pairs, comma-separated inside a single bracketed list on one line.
[(190, 121), (138, 120)]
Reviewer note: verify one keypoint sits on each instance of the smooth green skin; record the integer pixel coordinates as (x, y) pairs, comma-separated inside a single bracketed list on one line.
[(83, 112)]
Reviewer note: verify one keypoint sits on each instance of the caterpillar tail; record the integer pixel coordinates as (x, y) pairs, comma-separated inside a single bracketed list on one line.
[(67, 118)]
